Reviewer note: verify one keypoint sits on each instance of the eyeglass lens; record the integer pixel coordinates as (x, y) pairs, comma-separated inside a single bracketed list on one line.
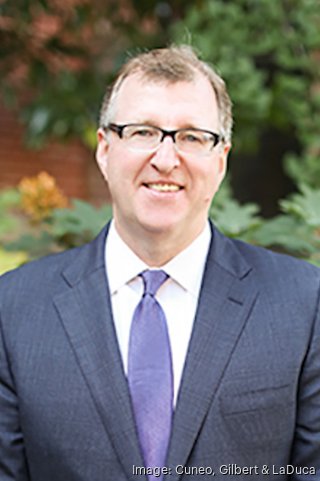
[(143, 137)]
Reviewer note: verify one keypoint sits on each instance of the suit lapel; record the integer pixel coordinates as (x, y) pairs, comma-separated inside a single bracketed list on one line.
[(227, 296), (85, 311)]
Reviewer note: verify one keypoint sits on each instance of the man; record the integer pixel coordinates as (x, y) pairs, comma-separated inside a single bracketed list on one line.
[(161, 349)]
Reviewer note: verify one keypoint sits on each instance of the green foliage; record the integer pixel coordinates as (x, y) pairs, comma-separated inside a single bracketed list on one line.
[(287, 234), (79, 224), (306, 170), (24, 240), (65, 228), (9, 199), (10, 260), (56, 110), (268, 53), (36, 243), (304, 205), (233, 219), (61, 55), (9, 224), (296, 231)]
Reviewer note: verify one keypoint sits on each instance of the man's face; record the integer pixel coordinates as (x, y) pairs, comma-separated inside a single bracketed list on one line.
[(164, 193)]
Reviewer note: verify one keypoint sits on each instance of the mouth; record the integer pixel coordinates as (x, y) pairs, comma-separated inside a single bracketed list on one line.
[(163, 187)]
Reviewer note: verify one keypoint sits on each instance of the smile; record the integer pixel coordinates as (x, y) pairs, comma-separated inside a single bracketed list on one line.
[(164, 187)]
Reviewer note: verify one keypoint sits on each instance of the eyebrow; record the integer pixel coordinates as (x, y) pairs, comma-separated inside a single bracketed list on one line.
[(153, 123)]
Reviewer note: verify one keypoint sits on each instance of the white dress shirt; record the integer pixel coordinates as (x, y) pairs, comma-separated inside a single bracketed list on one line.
[(178, 296)]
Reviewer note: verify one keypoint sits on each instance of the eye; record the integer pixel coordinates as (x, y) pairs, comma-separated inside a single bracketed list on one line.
[(191, 137), (142, 131)]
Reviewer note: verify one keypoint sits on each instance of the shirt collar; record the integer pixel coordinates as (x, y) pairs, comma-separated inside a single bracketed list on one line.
[(122, 263), (186, 268)]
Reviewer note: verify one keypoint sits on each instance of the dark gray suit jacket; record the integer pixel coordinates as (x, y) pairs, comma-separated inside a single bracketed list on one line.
[(250, 392)]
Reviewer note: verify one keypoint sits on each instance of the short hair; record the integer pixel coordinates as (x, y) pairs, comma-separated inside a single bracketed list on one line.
[(171, 65)]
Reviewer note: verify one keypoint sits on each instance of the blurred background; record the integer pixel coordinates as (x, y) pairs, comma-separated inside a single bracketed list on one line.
[(58, 56)]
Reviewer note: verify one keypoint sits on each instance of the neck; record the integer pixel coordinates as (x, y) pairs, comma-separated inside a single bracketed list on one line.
[(157, 248)]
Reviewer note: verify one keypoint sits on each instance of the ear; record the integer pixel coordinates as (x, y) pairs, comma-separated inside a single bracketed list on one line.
[(223, 161), (102, 152)]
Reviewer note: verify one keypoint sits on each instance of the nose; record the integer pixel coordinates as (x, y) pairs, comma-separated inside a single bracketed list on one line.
[(165, 158)]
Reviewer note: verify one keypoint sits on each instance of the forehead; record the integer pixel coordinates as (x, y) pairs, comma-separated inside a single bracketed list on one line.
[(168, 104)]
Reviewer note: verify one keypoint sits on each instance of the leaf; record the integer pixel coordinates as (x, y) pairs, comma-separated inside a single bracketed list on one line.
[(304, 205), (81, 219), (37, 245), (288, 233), (234, 219)]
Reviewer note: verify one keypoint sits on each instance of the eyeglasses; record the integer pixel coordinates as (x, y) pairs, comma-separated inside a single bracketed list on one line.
[(146, 138)]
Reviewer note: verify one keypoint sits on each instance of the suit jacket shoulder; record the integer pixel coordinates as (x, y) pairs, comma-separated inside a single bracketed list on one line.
[(46, 276), (274, 272)]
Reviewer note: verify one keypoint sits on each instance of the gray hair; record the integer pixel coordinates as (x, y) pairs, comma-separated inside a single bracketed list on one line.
[(172, 64)]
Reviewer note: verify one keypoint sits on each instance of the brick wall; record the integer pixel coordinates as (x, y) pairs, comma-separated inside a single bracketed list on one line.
[(72, 164)]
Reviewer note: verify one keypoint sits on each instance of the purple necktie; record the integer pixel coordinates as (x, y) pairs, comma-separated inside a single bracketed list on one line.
[(150, 373)]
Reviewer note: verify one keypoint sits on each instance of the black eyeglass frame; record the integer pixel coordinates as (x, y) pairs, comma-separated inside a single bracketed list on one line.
[(118, 129)]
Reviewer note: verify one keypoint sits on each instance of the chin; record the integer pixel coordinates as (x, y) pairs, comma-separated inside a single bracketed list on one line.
[(157, 226)]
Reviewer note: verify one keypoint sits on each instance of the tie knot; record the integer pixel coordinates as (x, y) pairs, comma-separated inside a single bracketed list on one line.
[(152, 280)]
